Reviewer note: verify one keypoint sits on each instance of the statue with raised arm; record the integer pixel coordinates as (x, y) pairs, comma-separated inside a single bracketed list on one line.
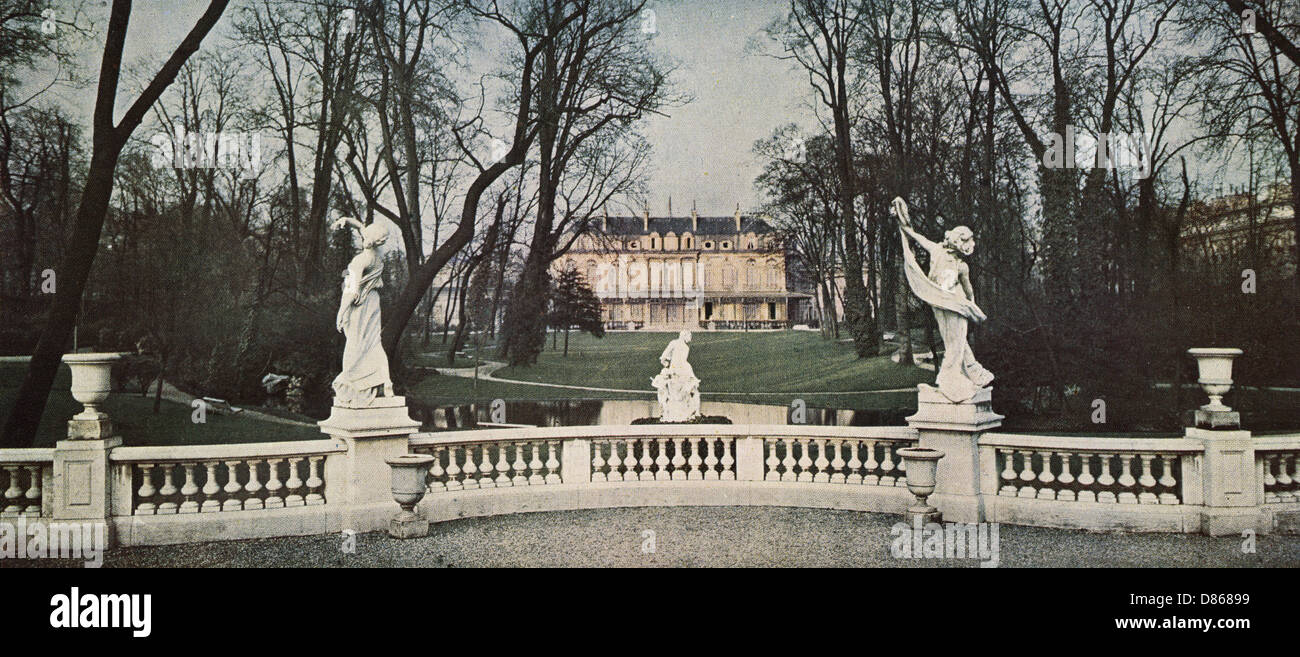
[(365, 365), (679, 390), (948, 290)]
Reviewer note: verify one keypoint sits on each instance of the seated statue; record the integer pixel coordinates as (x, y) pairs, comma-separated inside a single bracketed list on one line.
[(679, 390)]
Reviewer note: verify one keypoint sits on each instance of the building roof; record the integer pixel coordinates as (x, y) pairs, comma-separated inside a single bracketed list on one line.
[(680, 225)]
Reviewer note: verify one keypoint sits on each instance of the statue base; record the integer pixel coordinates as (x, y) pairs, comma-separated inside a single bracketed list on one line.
[(381, 416), (935, 411), (408, 525), (1216, 419)]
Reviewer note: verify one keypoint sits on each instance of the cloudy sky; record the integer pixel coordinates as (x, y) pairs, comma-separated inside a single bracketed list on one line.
[(702, 151)]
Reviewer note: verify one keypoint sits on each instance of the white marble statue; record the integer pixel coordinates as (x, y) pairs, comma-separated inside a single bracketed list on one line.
[(365, 365), (948, 290), (679, 390)]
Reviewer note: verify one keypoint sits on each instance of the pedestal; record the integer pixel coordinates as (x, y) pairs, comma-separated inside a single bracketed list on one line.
[(955, 429), (404, 526), (373, 433), (1228, 484)]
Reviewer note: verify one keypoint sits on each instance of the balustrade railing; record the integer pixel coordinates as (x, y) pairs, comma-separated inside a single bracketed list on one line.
[(868, 462), (1278, 461), (1088, 470), (211, 479), (24, 474), (496, 464), (679, 458)]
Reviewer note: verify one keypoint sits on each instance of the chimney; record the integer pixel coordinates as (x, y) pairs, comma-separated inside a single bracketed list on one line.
[(670, 207), (737, 217), (695, 219), (604, 220), (645, 219)]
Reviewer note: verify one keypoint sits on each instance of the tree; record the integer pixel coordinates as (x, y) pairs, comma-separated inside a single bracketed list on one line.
[(108, 141), (575, 305)]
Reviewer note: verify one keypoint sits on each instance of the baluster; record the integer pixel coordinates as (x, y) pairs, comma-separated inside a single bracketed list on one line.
[(853, 476), (1167, 480), (661, 461), (1065, 479), (232, 487), (773, 463), (629, 459), (33, 491), (887, 478), (788, 461), (210, 489), (615, 461), (453, 468), (13, 492), (435, 470), (168, 490), (598, 460), (273, 485), (710, 460), (1270, 482), (900, 464), (1085, 479), (822, 462), (1027, 475), (805, 462), (1045, 477), (520, 466), (645, 473), (252, 487), (314, 481), (552, 462), (534, 465), (1008, 473), (503, 467), (470, 470), (837, 463), (1105, 479), (189, 490), (485, 478), (870, 478), (679, 461), (1126, 479), (294, 498), (694, 462), (728, 472), (145, 506), (1288, 480), (1147, 496)]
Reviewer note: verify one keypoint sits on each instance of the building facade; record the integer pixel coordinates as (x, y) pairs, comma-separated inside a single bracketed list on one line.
[(674, 273), (1244, 230)]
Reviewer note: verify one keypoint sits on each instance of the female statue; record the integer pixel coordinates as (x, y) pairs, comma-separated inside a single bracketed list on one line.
[(679, 390), (948, 290), (365, 365)]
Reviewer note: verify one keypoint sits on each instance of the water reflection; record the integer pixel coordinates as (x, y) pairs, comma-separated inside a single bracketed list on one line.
[(591, 412)]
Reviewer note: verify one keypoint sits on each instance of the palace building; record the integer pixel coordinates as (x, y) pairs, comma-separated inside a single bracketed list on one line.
[(673, 273)]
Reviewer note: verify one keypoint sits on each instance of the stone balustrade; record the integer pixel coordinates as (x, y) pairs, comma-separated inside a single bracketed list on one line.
[(24, 476), (1277, 461), (222, 479), (869, 461)]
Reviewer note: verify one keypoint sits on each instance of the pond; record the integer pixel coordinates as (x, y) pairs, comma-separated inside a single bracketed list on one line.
[(596, 412)]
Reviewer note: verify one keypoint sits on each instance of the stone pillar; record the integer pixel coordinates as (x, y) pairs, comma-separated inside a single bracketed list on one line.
[(575, 460), (749, 459), (1228, 482), (373, 433), (81, 490), (955, 429)]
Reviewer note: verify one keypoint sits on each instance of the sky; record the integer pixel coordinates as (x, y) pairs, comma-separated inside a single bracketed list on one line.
[(702, 151)]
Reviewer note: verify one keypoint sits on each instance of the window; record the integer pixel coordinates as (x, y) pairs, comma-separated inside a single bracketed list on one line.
[(688, 244), (708, 245), (632, 245), (653, 243), (726, 245)]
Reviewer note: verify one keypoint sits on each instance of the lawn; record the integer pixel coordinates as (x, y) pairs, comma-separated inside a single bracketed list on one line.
[(134, 419), (773, 361)]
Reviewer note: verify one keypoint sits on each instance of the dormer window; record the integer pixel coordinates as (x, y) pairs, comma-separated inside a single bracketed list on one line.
[(726, 245), (708, 245), (687, 245), (653, 243), (632, 245)]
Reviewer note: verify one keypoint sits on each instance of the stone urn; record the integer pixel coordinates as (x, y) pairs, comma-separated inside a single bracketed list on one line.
[(922, 465), (410, 474), (1214, 366), (92, 380)]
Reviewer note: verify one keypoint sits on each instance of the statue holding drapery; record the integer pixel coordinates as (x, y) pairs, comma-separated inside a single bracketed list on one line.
[(679, 390), (947, 288), (365, 365)]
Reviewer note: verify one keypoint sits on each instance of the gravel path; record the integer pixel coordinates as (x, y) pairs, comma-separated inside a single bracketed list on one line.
[(703, 536)]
